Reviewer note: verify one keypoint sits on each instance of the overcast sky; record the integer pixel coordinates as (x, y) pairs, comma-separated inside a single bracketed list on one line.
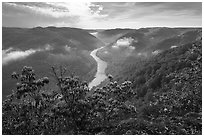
[(102, 15)]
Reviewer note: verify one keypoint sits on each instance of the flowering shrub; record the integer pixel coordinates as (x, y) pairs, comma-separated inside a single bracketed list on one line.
[(168, 102), (31, 110)]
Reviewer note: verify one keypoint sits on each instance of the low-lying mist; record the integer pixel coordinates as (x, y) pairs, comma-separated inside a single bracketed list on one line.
[(11, 54)]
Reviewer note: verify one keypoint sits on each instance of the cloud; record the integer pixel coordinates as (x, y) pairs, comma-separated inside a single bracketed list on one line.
[(47, 47), (142, 54), (174, 46), (100, 14), (41, 8), (156, 52), (16, 15), (11, 54), (94, 33), (67, 48), (72, 13), (82, 9), (124, 43)]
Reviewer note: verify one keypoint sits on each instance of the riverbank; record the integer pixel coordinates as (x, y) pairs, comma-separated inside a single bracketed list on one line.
[(101, 67)]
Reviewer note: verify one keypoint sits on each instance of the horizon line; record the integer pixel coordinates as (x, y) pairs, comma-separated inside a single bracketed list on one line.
[(102, 28)]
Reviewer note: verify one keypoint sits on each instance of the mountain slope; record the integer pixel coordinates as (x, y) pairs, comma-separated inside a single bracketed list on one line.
[(42, 48), (164, 98), (36, 37), (110, 35), (152, 72), (155, 38), (148, 41)]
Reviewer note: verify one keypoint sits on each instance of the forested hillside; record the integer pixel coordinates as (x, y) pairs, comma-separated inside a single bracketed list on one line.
[(110, 35), (26, 38), (102, 68), (42, 48), (158, 95)]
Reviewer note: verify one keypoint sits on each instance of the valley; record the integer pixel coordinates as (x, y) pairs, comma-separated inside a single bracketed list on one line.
[(102, 68), (117, 80), (78, 50), (100, 75), (43, 48)]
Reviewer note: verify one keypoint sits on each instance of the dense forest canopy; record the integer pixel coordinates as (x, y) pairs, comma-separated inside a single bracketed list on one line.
[(158, 95), (101, 68), (42, 48)]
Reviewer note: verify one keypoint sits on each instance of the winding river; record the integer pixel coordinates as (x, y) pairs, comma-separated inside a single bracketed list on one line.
[(101, 67)]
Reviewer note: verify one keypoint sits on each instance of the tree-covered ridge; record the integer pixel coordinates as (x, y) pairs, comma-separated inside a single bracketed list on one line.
[(154, 73), (162, 96), (43, 47)]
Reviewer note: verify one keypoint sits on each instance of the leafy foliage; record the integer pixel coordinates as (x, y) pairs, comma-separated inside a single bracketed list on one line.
[(164, 97)]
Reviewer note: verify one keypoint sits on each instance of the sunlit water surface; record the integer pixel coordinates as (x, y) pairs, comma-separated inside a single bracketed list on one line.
[(101, 67)]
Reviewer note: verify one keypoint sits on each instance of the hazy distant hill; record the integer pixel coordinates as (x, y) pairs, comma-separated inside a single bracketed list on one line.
[(162, 38), (42, 48), (136, 46), (147, 41), (110, 35), (181, 38), (151, 72), (36, 37)]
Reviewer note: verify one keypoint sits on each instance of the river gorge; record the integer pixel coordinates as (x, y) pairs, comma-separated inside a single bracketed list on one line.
[(101, 67)]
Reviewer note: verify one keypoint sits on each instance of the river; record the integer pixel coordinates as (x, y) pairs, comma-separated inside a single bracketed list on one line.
[(101, 67)]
